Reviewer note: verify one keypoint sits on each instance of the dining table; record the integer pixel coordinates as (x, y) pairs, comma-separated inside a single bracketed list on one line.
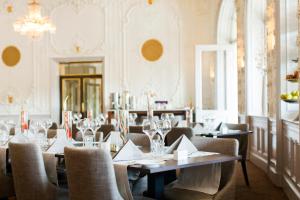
[(159, 176)]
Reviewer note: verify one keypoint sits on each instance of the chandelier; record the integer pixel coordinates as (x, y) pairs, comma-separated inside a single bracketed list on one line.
[(34, 24)]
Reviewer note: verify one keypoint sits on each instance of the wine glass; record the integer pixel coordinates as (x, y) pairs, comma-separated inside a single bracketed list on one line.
[(132, 118), (10, 124), (94, 125), (35, 126), (164, 127), (82, 125), (76, 117), (167, 116), (150, 129), (4, 134), (46, 125)]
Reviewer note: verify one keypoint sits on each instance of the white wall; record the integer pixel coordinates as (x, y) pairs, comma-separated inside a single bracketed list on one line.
[(113, 30)]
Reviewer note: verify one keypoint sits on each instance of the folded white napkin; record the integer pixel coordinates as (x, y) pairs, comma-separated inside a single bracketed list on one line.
[(129, 152), (182, 143), (182, 123), (122, 180), (114, 137), (59, 145)]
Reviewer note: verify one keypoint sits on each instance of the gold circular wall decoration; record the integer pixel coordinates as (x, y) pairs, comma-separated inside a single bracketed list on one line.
[(152, 50), (11, 56)]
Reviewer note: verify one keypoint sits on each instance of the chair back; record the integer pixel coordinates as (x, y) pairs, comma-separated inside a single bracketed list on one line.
[(90, 174), (243, 139), (51, 133), (105, 129), (223, 146), (135, 129), (29, 174), (176, 132), (139, 140)]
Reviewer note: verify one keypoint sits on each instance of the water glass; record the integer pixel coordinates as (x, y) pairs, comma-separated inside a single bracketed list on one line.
[(158, 147), (88, 140), (4, 136)]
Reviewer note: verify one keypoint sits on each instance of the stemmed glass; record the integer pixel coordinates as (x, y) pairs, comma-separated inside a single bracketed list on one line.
[(4, 134), (94, 125), (46, 125), (9, 124), (132, 118), (150, 129), (76, 117), (82, 125), (164, 127), (167, 116), (35, 126)]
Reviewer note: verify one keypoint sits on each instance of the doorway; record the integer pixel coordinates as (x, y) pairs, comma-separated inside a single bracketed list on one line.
[(81, 88)]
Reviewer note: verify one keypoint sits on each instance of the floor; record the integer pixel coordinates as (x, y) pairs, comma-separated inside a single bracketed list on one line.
[(261, 188)]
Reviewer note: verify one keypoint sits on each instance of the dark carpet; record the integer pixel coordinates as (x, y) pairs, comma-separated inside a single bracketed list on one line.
[(261, 188)]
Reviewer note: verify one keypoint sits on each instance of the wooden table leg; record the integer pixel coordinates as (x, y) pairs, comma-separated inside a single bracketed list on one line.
[(156, 184)]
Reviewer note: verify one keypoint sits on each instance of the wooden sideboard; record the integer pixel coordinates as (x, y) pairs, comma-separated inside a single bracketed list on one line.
[(143, 113)]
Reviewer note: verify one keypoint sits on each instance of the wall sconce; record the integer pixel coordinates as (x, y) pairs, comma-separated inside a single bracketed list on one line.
[(10, 99), (150, 2)]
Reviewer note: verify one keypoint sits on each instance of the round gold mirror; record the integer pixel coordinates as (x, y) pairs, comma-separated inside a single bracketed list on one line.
[(152, 50), (11, 56)]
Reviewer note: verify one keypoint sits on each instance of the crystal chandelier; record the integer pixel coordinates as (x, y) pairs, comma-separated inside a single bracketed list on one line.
[(33, 24)]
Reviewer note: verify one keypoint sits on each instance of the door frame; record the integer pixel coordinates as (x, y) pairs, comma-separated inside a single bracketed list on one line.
[(81, 78), (230, 95)]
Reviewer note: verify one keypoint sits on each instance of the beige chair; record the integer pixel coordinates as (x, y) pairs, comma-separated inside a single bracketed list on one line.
[(135, 129), (105, 129), (175, 133), (6, 182), (90, 175), (29, 174), (51, 133), (227, 182), (243, 147), (139, 139)]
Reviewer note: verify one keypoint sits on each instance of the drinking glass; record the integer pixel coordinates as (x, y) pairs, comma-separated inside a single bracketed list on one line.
[(158, 146), (46, 125), (94, 125), (35, 126), (4, 134), (132, 118), (150, 129), (76, 117), (167, 116), (82, 125), (164, 127), (9, 125)]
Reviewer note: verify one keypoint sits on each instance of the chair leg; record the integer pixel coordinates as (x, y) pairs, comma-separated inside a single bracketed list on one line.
[(243, 163)]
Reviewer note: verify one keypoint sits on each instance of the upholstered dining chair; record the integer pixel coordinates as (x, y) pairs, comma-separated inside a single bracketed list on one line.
[(226, 189), (6, 182), (139, 139), (135, 129), (176, 132), (51, 133), (90, 174), (29, 174), (243, 147), (105, 129)]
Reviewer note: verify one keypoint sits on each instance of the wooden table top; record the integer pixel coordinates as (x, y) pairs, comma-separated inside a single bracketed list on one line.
[(229, 133), (174, 164), (190, 162)]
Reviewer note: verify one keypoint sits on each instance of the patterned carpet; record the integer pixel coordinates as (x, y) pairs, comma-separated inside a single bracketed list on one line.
[(261, 188)]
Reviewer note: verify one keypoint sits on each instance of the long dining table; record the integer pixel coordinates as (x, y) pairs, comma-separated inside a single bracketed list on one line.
[(164, 174)]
